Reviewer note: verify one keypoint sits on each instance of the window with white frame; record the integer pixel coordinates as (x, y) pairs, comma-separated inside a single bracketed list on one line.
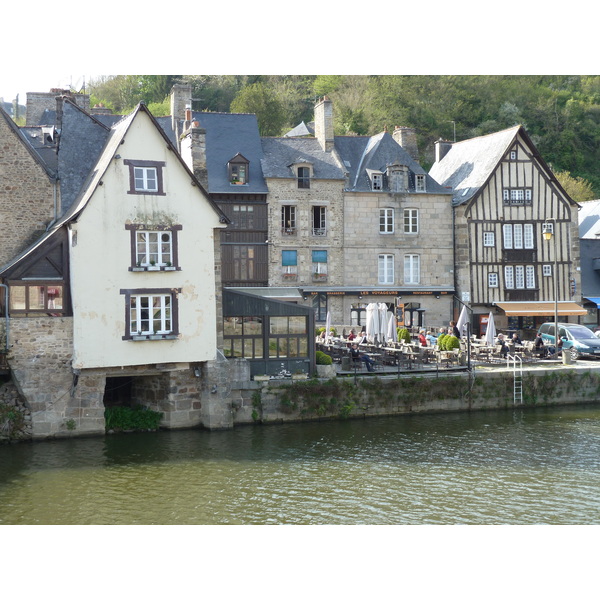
[(411, 220), (493, 280), (519, 277), (319, 214), (509, 278), (386, 268), (489, 239), (151, 313), (319, 264), (145, 176), (420, 183), (518, 236), (518, 196), (547, 270), (412, 268), (154, 247), (386, 220), (288, 219), (513, 155)]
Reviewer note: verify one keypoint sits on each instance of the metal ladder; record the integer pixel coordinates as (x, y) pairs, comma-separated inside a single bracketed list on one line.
[(517, 364)]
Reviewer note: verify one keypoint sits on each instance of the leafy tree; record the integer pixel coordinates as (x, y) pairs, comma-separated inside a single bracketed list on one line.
[(577, 187), (258, 99)]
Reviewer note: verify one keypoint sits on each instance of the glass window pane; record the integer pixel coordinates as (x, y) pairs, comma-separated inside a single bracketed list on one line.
[(258, 348), (297, 324), (278, 325), (17, 297), (37, 297)]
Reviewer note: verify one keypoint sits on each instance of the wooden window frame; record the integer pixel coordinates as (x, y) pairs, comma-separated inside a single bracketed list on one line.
[(146, 164), (171, 293)]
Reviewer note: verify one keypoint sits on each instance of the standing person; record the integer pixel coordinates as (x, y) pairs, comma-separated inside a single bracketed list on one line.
[(454, 329), (356, 354), (422, 338)]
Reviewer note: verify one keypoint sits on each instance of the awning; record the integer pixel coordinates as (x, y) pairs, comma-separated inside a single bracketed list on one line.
[(540, 309), (275, 293), (596, 301)]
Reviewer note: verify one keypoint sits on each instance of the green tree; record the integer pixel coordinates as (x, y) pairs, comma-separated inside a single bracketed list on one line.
[(577, 187), (260, 100)]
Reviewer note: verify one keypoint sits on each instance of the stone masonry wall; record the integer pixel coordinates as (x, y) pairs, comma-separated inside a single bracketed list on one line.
[(26, 195)]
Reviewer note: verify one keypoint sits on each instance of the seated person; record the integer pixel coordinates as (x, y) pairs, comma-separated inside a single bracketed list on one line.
[(541, 350), (503, 345), (422, 338), (516, 339), (352, 335), (431, 339), (356, 355)]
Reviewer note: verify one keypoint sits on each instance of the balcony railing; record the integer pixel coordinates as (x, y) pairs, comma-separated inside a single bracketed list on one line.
[(319, 231), (288, 231)]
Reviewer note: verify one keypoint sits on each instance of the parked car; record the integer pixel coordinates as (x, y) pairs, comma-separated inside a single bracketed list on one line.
[(579, 340)]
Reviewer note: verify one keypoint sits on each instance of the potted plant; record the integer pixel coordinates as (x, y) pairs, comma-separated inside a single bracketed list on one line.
[(169, 266), (153, 266), (325, 366)]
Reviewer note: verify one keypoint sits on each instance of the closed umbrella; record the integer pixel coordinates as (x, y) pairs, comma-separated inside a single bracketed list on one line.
[(462, 321), (490, 332), (383, 322), (372, 326), (328, 325), (392, 332)]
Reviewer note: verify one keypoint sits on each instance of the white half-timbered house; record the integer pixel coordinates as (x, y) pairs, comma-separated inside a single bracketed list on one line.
[(504, 195)]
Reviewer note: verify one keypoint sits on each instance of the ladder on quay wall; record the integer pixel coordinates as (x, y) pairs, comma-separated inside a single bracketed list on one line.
[(517, 364)]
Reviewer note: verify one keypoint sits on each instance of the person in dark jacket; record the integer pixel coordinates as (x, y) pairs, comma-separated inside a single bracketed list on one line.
[(356, 354)]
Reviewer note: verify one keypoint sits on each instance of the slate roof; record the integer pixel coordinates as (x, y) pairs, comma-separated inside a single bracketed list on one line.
[(468, 164), (281, 153), (361, 154), (228, 134)]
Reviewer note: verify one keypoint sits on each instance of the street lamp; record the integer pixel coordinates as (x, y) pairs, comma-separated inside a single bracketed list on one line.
[(549, 232)]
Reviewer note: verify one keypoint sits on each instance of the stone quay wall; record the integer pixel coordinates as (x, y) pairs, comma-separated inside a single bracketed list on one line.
[(278, 401)]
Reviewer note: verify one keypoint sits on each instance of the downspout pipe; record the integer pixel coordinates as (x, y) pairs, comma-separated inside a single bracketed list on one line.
[(6, 312)]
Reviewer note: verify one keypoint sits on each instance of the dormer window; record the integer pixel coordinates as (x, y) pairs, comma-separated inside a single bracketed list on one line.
[(420, 183), (238, 168), (398, 178), (376, 178), (304, 178)]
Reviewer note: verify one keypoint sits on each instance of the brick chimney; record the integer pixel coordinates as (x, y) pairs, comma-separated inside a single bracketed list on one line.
[(407, 138), (324, 124), (442, 148)]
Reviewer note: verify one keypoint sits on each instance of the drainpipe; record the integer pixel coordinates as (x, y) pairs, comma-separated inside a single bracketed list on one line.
[(6, 311)]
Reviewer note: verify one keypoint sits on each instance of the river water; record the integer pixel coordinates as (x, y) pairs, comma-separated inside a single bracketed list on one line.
[(539, 466)]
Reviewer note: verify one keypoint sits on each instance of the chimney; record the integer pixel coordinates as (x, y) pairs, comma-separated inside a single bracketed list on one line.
[(407, 138), (324, 124), (441, 149), (181, 98), (193, 151)]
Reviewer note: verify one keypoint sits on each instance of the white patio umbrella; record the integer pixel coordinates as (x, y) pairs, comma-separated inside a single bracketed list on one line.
[(462, 321), (372, 326), (392, 332), (328, 325), (490, 332), (383, 322)]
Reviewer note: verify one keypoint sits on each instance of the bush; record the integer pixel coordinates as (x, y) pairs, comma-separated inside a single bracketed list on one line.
[(440, 340), (451, 342), (323, 359), (403, 334), (125, 418)]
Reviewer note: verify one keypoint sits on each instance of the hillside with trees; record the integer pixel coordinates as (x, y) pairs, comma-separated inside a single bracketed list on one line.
[(560, 113)]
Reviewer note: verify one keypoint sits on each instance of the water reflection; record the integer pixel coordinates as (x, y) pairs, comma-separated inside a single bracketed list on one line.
[(520, 467)]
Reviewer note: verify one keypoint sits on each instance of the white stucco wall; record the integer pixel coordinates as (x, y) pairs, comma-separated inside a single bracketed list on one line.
[(101, 258)]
